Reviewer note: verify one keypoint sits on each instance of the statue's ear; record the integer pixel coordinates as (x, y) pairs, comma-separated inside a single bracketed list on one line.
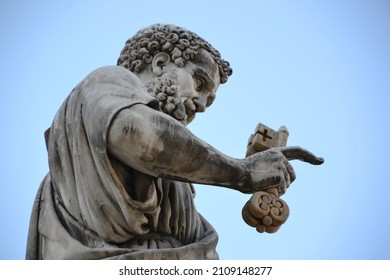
[(159, 61)]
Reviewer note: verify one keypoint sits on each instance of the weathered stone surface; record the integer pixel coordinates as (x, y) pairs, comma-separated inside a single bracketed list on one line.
[(265, 138), (265, 210), (122, 162)]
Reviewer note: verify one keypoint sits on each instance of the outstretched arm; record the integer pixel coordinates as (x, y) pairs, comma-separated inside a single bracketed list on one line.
[(156, 144)]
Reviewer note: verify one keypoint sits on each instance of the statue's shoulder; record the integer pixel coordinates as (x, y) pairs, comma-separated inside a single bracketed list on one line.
[(109, 83), (112, 71), (112, 74)]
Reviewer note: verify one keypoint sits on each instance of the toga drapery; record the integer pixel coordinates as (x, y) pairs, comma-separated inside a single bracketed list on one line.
[(85, 210)]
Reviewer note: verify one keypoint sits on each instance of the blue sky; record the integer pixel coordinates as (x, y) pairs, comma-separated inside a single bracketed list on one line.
[(321, 68)]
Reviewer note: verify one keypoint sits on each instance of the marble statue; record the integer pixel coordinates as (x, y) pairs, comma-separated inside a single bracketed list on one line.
[(122, 162)]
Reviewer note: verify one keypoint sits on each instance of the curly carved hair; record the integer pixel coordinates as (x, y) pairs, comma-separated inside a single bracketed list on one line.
[(181, 44)]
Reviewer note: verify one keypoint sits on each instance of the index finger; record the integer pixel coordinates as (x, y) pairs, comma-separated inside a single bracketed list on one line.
[(302, 154)]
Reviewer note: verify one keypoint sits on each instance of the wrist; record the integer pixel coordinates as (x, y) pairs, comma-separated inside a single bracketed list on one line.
[(244, 183)]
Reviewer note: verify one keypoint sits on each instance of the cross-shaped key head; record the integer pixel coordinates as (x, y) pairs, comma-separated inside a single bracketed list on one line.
[(265, 138)]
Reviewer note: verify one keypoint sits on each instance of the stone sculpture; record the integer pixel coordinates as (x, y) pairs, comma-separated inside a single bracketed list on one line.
[(122, 162), (265, 210)]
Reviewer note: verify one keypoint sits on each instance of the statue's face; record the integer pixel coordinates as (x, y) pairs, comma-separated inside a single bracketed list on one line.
[(197, 83), (182, 91)]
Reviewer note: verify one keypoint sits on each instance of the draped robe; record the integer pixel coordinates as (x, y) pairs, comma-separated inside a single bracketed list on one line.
[(85, 210)]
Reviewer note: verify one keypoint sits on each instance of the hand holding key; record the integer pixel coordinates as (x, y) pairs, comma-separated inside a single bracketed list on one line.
[(265, 210)]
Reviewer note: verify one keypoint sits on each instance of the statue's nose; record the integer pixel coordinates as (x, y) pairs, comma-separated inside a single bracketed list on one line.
[(200, 106)]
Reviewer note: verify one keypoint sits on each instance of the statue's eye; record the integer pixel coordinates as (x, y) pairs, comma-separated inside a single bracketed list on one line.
[(199, 83)]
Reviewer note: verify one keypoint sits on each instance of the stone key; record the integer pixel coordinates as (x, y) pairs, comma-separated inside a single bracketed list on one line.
[(265, 210), (266, 138)]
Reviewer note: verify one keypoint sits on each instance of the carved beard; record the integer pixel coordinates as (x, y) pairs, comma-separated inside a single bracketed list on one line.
[(164, 89)]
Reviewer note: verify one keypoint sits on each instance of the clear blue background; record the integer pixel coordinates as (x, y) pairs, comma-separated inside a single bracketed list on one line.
[(319, 67)]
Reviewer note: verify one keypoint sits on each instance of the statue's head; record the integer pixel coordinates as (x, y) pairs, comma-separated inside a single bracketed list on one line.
[(171, 60)]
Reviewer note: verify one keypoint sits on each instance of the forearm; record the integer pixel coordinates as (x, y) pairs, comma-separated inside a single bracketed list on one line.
[(158, 145)]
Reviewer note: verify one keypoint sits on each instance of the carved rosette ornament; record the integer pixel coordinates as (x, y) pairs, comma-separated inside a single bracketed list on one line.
[(265, 211)]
